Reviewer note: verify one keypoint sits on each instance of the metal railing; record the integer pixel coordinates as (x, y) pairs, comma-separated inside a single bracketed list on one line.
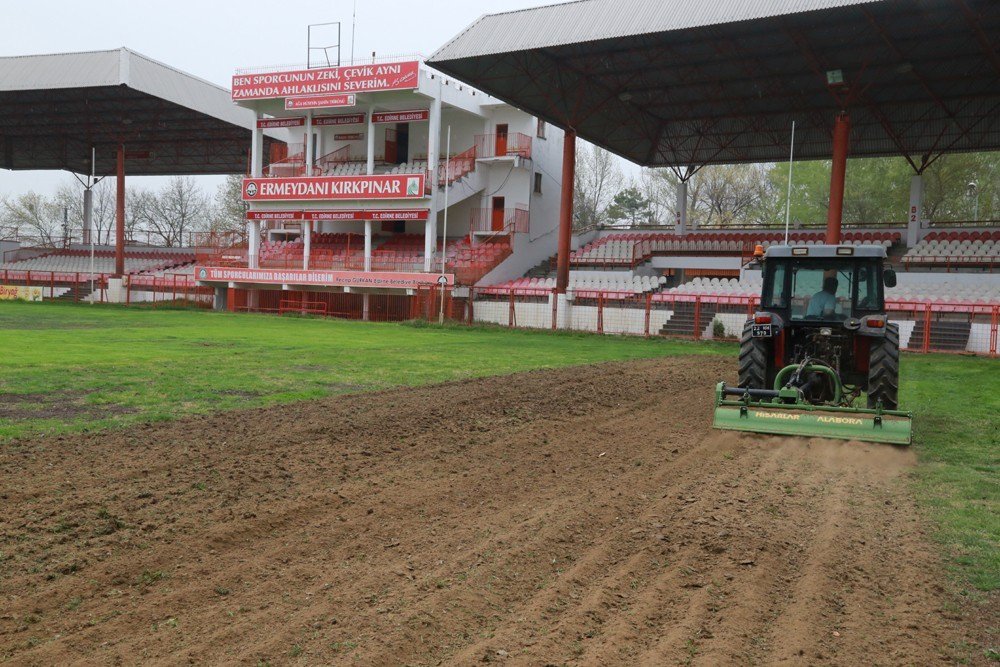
[(963, 327), (453, 169), (86, 287), (949, 262), (333, 158), (514, 144), (516, 220)]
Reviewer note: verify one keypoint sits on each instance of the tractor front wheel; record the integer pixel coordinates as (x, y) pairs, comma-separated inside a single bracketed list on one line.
[(753, 359), (883, 370)]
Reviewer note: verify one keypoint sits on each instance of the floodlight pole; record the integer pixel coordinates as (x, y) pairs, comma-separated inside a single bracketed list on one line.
[(444, 239), (838, 174)]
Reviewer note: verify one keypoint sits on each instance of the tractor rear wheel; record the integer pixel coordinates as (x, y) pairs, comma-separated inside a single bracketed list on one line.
[(883, 370), (753, 359)]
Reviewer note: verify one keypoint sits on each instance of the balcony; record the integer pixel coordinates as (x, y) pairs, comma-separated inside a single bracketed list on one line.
[(500, 220), (345, 252), (513, 145)]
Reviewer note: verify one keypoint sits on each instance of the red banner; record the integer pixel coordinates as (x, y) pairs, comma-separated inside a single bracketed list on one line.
[(270, 123), (274, 215), (342, 119), (401, 116), (382, 186), (355, 136), (363, 214), (327, 81), (320, 101), (384, 279)]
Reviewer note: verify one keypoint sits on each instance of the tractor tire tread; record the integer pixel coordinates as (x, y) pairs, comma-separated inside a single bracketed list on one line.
[(753, 360), (883, 370)]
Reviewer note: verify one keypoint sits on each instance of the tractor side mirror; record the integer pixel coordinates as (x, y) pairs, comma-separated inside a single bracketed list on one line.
[(889, 277)]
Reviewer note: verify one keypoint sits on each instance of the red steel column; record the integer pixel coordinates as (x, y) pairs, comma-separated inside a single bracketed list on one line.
[(566, 211), (120, 215), (841, 135)]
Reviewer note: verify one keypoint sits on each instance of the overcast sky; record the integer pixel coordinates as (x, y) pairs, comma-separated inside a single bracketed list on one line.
[(211, 38)]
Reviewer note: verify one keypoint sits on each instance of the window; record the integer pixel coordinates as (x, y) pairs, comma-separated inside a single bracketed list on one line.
[(869, 288), (774, 297), (538, 183), (820, 292), (541, 129), (824, 291)]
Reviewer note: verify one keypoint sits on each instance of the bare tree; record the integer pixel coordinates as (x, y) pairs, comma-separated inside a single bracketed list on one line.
[(35, 218), (598, 179), (659, 186), (228, 208), (739, 195), (171, 214), (70, 196)]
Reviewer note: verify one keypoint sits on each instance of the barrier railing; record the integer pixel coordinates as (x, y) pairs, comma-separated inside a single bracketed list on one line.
[(468, 262), (291, 166), (454, 169), (333, 158), (354, 306), (515, 220), (86, 287), (949, 262), (514, 144), (965, 327)]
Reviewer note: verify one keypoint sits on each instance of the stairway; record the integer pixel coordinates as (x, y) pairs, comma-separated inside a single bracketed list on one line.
[(952, 335), (682, 322), (78, 292), (543, 270)]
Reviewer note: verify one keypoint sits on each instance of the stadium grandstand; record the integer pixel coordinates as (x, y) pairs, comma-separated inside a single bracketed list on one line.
[(855, 71), (446, 186), (101, 114)]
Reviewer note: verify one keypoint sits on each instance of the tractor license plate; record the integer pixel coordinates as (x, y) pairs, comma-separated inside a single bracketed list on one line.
[(761, 331)]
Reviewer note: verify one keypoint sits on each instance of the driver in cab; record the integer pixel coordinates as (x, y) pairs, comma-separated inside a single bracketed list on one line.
[(824, 302)]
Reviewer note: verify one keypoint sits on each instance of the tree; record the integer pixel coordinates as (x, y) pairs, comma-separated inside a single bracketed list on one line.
[(598, 179), (70, 196), (34, 217), (629, 205), (731, 195), (659, 187), (228, 209), (169, 216), (947, 195)]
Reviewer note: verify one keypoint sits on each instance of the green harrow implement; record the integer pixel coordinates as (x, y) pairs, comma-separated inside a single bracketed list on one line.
[(782, 411)]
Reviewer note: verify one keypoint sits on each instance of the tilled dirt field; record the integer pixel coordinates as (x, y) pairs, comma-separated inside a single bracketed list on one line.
[(580, 516)]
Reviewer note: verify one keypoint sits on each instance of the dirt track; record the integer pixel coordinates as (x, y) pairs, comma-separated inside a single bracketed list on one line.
[(582, 516)]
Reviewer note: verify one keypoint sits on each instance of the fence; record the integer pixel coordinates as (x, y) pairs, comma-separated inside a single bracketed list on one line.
[(154, 290), (343, 305), (923, 327), (960, 327)]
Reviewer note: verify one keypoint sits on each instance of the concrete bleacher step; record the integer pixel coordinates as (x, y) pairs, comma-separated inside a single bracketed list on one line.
[(682, 321), (77, 292), (950, 335), (544, 269)]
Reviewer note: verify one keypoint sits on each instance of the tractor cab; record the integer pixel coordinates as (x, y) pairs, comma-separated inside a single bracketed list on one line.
[(826, 286), (818, 346)]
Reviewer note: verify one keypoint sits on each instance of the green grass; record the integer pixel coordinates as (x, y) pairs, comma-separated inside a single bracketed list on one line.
[(955, 401), (80, 367), (113, 366)]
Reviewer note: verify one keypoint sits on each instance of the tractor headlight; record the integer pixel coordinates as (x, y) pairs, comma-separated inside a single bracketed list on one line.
[(826, 331)]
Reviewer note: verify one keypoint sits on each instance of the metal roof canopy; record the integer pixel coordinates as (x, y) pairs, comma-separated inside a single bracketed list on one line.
[(680, 83), (54, 108)]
